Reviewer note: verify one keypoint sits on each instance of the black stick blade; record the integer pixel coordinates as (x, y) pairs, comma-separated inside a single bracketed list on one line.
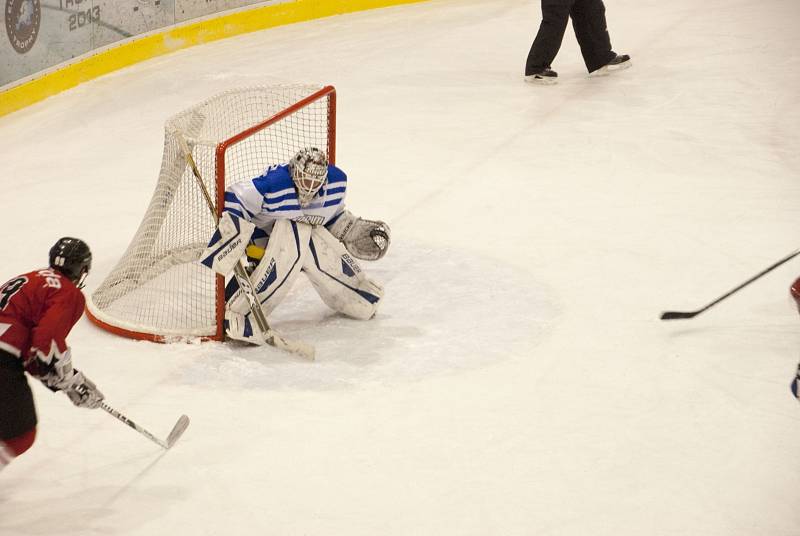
[(677, 315)]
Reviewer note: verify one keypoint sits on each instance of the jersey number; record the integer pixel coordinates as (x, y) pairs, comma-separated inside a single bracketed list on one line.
[(9, 289)]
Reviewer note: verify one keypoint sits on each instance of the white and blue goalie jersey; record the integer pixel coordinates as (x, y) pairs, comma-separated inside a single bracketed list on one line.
[(272, 196)]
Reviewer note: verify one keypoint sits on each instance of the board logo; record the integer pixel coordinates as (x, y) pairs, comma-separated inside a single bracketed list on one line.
[(22, 23)]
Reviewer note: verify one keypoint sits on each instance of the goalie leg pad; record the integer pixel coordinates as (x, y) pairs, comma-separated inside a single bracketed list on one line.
[(240, 327), (278, 269), (338, 279)]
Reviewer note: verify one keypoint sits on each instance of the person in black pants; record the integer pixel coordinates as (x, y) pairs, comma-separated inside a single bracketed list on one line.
[(589, 23)]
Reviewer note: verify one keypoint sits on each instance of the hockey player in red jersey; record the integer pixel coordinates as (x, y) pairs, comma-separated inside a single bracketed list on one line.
[(37, 312), (795, 291)]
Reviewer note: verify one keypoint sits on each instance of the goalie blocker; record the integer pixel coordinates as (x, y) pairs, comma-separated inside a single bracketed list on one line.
[(228, 244)]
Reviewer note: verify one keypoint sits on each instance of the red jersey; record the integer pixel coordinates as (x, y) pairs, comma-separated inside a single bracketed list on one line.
[(37, 312)]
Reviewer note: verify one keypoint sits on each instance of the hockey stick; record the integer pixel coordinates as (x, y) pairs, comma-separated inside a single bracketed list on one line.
[(177, 430), (675, 315), (270, 336)]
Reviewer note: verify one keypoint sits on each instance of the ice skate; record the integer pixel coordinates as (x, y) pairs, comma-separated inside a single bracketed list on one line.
[(619, 63), (543, 76)]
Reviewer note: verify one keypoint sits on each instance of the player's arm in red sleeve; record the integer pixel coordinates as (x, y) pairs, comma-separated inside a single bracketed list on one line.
[(50, 359), (49, 354)]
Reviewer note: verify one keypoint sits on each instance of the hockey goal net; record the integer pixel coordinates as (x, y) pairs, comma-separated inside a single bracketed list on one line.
[(158, 290)]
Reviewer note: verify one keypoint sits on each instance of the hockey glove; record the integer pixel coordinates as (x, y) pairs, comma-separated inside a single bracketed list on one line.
[(54, 369), (367, 240), (84, 393)]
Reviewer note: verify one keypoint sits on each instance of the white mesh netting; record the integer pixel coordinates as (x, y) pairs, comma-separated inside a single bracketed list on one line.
[(158, 288)]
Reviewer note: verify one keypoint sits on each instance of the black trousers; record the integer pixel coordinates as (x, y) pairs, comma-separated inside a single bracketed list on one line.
[(589, 23), (17, 411)]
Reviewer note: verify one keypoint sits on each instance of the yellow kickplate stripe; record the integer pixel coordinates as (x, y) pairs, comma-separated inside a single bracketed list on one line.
[(177, 38)]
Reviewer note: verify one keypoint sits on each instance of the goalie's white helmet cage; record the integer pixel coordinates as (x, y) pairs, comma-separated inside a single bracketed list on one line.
[(158, 290)]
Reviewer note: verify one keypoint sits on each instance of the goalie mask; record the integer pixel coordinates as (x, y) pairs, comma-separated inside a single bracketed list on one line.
[(71, 257), (309, 169)]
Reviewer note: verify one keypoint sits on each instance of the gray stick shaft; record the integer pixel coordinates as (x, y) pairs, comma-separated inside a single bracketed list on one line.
[(111, 411), (250, 294)]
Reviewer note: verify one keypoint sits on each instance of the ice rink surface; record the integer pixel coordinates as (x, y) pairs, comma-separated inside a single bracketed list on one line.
[(517, 380)]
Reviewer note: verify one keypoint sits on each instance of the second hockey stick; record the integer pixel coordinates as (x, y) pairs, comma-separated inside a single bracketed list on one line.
[(270, 336), (676, 315)]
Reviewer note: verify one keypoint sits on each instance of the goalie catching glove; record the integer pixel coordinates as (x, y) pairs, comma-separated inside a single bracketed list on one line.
[(365, 239)]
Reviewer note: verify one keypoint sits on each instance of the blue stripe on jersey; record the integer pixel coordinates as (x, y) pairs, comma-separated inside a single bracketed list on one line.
[(234, 205), (272, 199), (337, 190), (235, 212), (270, 205)]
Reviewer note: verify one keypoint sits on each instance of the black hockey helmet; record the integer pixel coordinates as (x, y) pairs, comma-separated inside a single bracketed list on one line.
[(71, 257)]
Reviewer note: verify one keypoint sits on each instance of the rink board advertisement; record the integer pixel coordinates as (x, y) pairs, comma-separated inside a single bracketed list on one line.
[(40, 34)]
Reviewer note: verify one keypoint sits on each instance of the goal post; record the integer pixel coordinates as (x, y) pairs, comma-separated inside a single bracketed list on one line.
[(158, 290)]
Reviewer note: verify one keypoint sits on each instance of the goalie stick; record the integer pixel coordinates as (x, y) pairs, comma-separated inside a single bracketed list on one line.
[(174, 435), (676, 315), (270, 336)]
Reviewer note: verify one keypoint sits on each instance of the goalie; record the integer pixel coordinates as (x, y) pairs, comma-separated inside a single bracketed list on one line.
[(292, 219)]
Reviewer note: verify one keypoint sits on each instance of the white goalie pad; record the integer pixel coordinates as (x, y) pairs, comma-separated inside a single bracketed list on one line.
[(275, 274), (228, 244), (338, 279)]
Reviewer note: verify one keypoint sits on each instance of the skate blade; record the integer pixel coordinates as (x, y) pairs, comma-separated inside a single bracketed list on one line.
[(606, 70), (540, 80)]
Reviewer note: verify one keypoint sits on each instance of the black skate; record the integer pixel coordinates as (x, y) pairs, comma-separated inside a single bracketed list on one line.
[(619, 63), (543, 76)]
